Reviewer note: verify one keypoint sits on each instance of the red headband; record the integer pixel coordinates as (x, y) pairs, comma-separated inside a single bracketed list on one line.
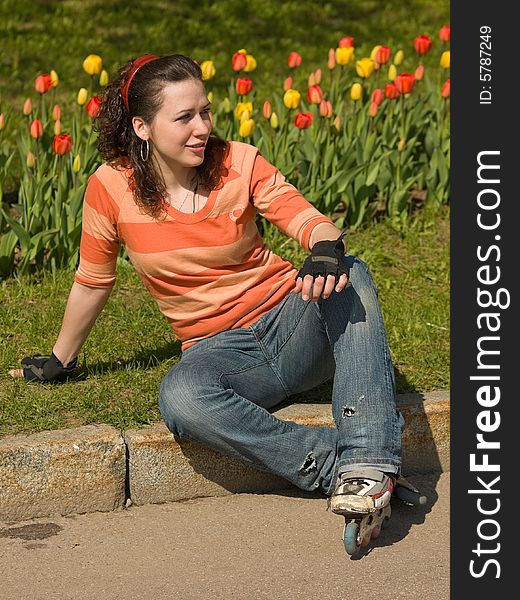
[(136, 65)]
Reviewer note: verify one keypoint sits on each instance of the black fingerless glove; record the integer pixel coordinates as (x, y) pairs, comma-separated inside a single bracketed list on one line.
[(46, 368), (325, 259)]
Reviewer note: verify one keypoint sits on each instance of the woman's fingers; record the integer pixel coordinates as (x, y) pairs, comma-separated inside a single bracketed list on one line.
[(16, 372)]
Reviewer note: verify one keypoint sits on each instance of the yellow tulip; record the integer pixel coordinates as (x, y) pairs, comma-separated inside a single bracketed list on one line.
[(356, 91), (374, 52), (365, 67), (92, 64), (245, 115), (274, 121), (246, 128), (103, 78), (291, 98), (82, 96), (344, 55), (226, 105), (445, 60), (398, 58), (31, 160), (337, 122), (241, 107), (76, 165), (250, 65), (208, 70), (210, 96), (54, 78), (392, 72)]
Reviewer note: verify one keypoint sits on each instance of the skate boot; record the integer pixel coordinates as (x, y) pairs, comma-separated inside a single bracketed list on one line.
[(363, 498)]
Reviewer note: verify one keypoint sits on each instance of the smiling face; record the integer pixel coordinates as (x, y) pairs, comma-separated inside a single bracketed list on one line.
[(181, 127)]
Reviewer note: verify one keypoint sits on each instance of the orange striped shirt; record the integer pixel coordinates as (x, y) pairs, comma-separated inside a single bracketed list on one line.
[(208, 271)]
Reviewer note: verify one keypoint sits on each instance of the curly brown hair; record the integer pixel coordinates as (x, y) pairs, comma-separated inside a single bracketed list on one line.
[(119, 145)]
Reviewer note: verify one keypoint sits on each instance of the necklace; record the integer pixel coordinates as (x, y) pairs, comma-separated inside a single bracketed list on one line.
[(186, 197)]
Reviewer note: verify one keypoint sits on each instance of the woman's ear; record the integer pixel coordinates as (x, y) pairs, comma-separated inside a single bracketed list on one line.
[(141, 129)]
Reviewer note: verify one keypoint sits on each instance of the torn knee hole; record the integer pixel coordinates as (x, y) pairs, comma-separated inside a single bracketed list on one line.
[(309, 463), (348, 411)]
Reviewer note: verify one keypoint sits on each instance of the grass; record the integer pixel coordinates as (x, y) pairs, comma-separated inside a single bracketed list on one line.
[(131, 346)]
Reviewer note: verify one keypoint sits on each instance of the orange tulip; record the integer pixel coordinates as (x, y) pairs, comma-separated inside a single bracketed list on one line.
[(27, 107), (419, 73), (2, 121), (331, 63), (346, 42), (43, 83), (314, 94), (391, 91), (422, 44), (56, 112), (444, 33), (372, 111), (404, 82), (445, 91), (243, 86), (57, 127), (239, 61), (325, 108), (36, 129), (303, 120), (92, 107), (287, 84), (377, 96), (294, 60), (62, 144), (267, 111), (382, 55)]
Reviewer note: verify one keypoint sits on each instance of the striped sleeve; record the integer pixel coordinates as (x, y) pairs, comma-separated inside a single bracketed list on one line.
[(282, 204), (99, 245)]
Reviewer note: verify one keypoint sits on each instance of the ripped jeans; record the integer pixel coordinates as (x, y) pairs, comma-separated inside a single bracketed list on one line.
[(222, 390)]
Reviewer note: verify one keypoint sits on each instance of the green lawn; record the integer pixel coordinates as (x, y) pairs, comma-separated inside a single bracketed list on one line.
[(131, 346)]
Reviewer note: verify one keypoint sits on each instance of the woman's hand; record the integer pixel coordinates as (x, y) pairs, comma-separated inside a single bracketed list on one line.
[(322, 287), (46, 368)]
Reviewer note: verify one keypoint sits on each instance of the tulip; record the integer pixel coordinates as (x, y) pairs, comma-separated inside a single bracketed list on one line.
[(331, 62), (374, 52), (303, 120), (246, 128), (30, 161), (315, 94), (244, 86), (377, 96), (422, 44), (274, 121), (291, 98), (241, 107), (54, 78), (444, 33), (57, 127), (317, 76), (92, 64), (294, 60), (2, 121), (103, 78), (365, 67), (82, 96), (382, 55), (356, 91), (43, 83), (399, 57), (372, 110), (288, 83), (210, 97), (239, 61), (337, 122), (392, 72), (92, 107), (27, 107), (391, 92), (344, 55), (208, 70), (312, 80), (325, 108), (445, 60), (76, 165), (419, 72), (36, 129), (226, 105), (56, 112), (445, 91), (62, 144), (245, 115), (405, 82), (250, 63), (267, 111), (401, 145), (346, 42)]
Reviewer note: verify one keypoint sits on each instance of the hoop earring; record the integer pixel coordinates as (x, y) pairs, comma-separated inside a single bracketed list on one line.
[(144, 150)]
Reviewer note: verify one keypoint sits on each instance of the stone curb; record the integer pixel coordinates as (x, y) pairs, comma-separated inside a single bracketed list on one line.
[(95, 468)]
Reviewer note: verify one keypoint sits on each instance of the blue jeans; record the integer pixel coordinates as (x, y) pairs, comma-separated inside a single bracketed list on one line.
[(221, 391)]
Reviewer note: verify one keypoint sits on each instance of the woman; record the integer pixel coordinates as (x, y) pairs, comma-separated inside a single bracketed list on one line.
[(253, 329)]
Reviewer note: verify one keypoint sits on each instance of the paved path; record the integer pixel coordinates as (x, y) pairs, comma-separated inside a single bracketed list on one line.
[(245, 546)]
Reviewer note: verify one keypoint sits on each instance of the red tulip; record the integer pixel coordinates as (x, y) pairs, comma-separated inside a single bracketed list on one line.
[(288, 84), (239, 61), (244, 86), (294, 60), (43, 83), (404, 82), (444, 33), (422, 44), (445, 91), (36, 129), (377, 96), (92, 107), (383, 55), (346, 42), (314, 94), (331, 63), (419, 72), (303, 120), (62, 144), (267, 111), (391, 92), (317, 75)]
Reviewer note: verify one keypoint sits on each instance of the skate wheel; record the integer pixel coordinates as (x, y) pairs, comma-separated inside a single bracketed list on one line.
[(350, 538), (375, 532), (409, 496)]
